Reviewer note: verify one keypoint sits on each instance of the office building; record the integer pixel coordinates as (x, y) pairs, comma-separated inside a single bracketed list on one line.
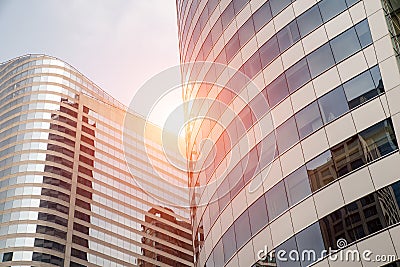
[(310, 159), (75, 186)]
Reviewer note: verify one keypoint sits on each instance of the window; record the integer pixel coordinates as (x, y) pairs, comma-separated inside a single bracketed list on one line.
[(278, 5), (345, 45), (360, 89), (288, 246), (269, 51), (218, 254), (246, 32), (277, 201), (330, 9), (308, 119), (364, 34), (376, 76), (309, 21), (321, 171), (252, 65), (310, 239), (262, 16), (286, 135), (333, 104), (242, 229), (288, 36), (232, 47), (297, 75), (297, 186), (320, 60), (228, 239), (348, 156), (378, 140), (7, 256), (267, 150), (277, 90), (351, 2), (258, 215)]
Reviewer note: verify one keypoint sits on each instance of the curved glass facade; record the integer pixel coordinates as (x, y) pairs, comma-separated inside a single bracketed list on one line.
[(67, 197), (319, 137)]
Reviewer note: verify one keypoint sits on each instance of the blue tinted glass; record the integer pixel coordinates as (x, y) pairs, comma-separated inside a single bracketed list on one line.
[(228, 239), (258, 215), (262, 16), (277, 90), (360, 89), (277, 200), (278, 5), (308, 120), (364, 34), (333, 104), (309, 21), (351, 2), (242, 229), (286, 247), (330, 9), (218, 254), (376, 76), (269, 51), (298, 75), (310, 239), (286, 135), (288, 36), (345, 45), (320, 60), (297, 186)]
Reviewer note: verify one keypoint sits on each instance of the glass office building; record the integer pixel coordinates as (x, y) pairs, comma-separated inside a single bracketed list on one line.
[(310, 161), (70, 188)]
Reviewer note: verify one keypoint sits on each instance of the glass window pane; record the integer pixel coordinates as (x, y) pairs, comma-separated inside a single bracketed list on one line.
[(378, 140), (228, 239), (345, 45), (364, 34), (288, 36), (246, 32), (269, 51), (309, 21), (258, 215), (320, 60), (333, 104), (310, 239), (376, 76), (297, 186), (242, 229), (348, 156), (286, 135), (232, 47), (278, 5), (308, 120), (287, 246), (321, 170), (298, 75), (277, 200), (330, 9), (360, 89), (218, 254), (351, 2), (277, 90), (262, 16)]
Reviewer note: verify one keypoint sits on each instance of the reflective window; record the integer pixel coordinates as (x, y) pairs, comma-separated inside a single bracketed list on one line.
[(232, 47), (360, 89), (286, 135), (378, 140), (308, 119), (242, 229), (333, 104), (364, 34), (228, 239), (345, 45), (309, 21), (351, 2), (321, 171), (258, 215), (262, 16), (269, 51), (330, 9), (278, 5), (288, 36), (297, 75), (310, 239), (267, 149), (297, 186), (277, 201), (246, 32), (287, 246), (218, 254), (320, 60), (277, 90), (348, 156)]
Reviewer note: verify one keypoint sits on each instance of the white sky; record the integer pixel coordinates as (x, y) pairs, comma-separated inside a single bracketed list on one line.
[(118, 44)]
